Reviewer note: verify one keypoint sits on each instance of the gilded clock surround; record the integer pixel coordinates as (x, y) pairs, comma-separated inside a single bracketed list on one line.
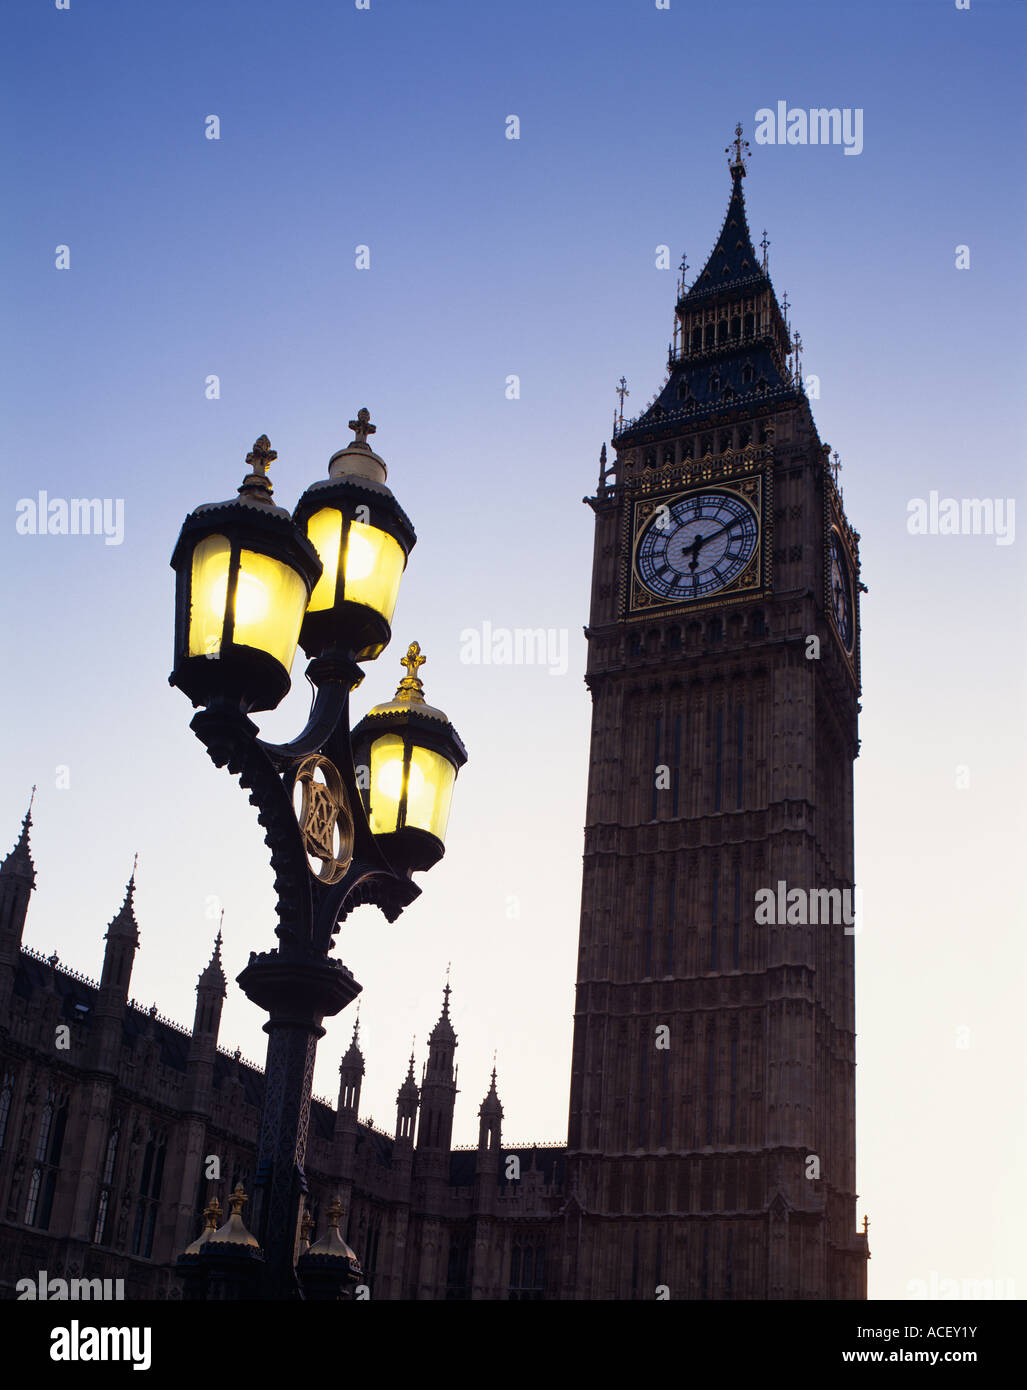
[(747, 474)]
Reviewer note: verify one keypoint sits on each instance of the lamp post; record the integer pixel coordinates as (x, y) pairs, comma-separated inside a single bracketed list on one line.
[(254, 582)]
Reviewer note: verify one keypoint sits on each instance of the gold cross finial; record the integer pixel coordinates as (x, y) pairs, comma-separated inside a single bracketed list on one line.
[(362, 426), (410, 687)]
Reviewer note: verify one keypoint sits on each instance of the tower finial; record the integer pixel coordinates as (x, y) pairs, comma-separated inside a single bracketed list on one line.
[(764, 244), (622, 391), (737, 165)]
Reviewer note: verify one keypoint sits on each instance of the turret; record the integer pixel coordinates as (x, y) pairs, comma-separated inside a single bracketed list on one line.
[(406, 1108), (438, 1087), (122, 939), (17, 880), (351, 1075), (211, 989), (490, 1119)]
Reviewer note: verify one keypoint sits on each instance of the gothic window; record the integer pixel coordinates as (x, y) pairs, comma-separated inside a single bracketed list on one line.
[(728, 393), (657, 777), (725, 438), (715, 630), (722, 331), (744, 437), (668, 964), (6, 1096), (148, 1201), (718, 773), (370, 1267), (738, 920), (682, 390), (457, 1264), (736, 327), (106, 1182), (748, 325), (747, 372), (711, 1058), (759, 624), (676, 755), (761, 387), (710, 334), (647, 967), (696, 339), (643, 1100), (674, 639), (528, 1269), (49, 1142), (738, 762), (635, 644), (714, 384), (715, 916)]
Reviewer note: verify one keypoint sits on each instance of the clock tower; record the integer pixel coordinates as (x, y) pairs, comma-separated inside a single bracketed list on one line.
[(711, 1148)]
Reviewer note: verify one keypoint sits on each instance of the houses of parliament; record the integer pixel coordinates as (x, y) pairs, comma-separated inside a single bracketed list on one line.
[(710, 1152)]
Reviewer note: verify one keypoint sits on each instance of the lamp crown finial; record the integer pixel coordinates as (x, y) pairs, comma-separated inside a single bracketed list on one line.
[(257, 485), (362, 426), (411, 687)]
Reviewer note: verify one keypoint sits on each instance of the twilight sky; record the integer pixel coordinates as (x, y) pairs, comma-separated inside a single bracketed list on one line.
[(386, 128)]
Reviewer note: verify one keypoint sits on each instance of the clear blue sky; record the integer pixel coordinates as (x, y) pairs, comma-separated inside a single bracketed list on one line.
[(492, 257)]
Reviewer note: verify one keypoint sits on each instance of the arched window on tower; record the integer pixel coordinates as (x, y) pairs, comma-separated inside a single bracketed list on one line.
[(714, 384), (696, 339), (758, 625), (747, 372), (736, 327), (6, 1097), (748, 325)]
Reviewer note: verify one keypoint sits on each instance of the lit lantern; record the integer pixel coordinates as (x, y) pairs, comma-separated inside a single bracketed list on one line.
[(362, 537), (245, 573), (412, 754)]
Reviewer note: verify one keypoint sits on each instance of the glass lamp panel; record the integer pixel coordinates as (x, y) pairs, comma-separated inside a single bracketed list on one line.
[(386, 783), (270, 600), (324, 531), (429, 791), (374, 567), (207, 594)]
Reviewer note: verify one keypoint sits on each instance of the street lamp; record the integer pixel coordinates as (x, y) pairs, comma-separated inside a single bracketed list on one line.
[(252, 582), (412, 754)]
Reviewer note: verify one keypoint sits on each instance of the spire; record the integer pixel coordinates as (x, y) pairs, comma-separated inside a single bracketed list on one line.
[(353, 1058), (491, 1104), (732, 348), (124, 923), (734, 257), (19, 861), (443, 1030), (409, 1086), (213, 975)]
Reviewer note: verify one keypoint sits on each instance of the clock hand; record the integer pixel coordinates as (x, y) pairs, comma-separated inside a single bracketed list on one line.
[(704, 540)]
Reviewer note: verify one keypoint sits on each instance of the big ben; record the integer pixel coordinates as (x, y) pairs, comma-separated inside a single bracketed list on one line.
[(711, 1147)]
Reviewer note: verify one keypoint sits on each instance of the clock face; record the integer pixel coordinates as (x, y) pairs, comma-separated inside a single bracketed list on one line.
[(841, 592), (696, 545)]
